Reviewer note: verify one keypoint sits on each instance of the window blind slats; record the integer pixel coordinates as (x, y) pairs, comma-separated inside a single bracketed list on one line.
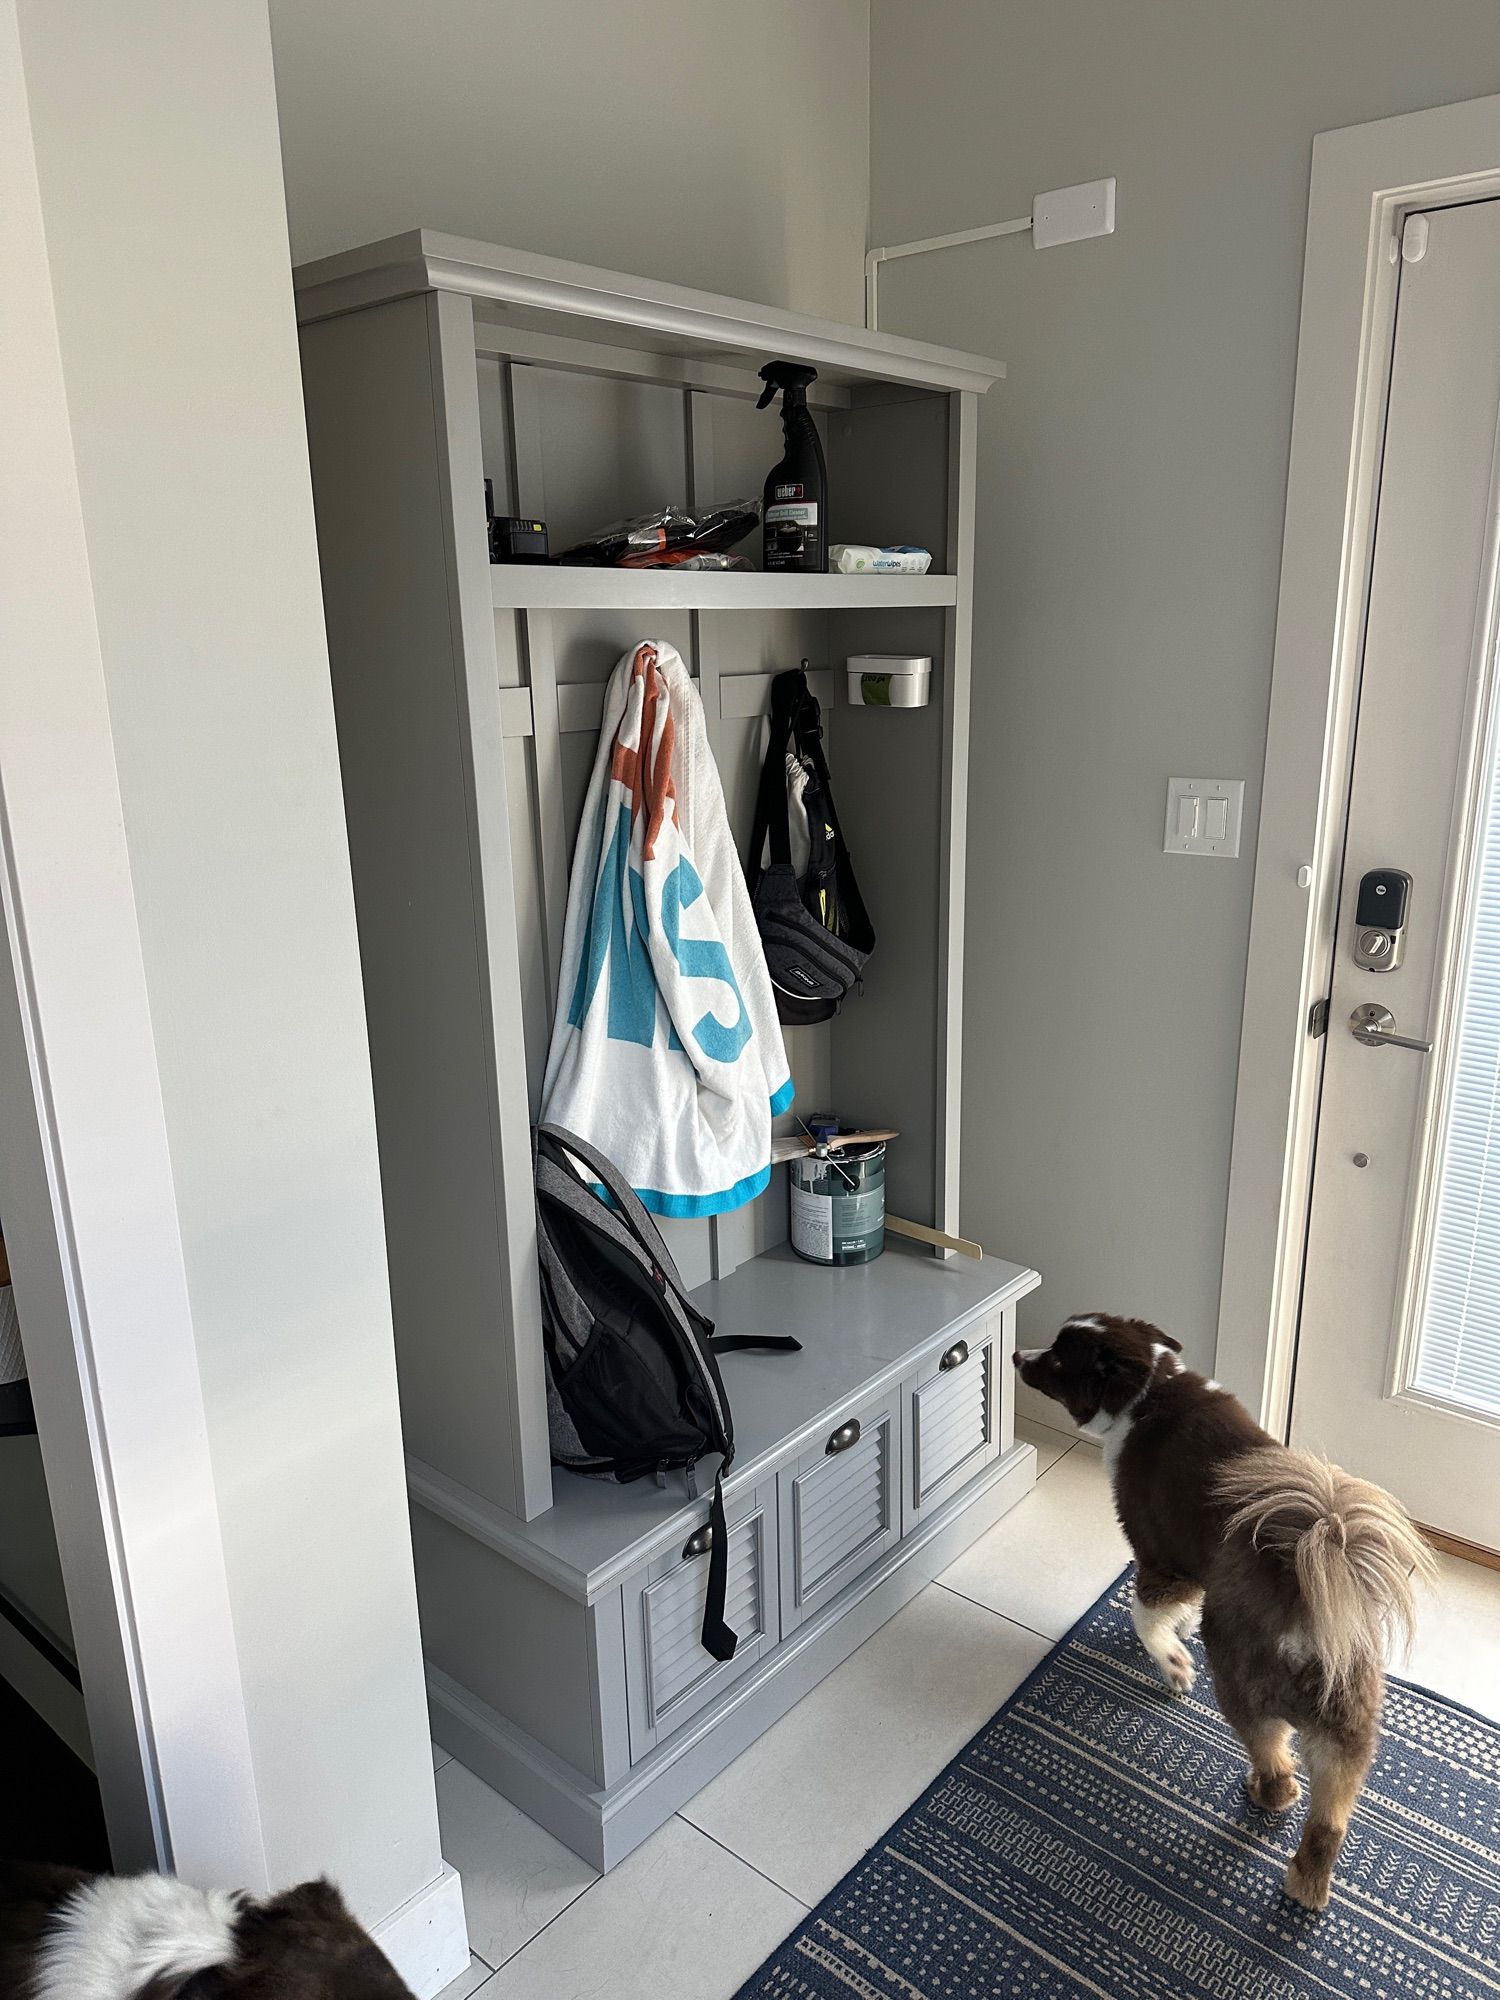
[(1458, 1346)]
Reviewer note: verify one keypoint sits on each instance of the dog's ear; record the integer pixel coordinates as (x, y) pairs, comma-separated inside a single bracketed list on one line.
[(1152, 1333), (308, 1935), (314, 1902), (210, 1985)]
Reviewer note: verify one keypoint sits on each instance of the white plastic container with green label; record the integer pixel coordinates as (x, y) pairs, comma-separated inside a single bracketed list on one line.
[(838, 1205), (889, 680)]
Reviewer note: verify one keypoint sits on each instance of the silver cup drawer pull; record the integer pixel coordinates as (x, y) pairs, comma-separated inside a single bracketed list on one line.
[(956, 1356), (846, 1435), (699, 1542)]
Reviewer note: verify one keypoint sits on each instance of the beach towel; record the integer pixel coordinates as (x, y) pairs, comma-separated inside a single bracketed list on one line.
[(666, 1051)]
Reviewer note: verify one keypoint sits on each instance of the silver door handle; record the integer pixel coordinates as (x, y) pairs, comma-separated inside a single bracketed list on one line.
[(1375, 1027)]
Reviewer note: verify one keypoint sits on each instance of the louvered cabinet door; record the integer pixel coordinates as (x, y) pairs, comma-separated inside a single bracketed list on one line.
[(840, 1508), (668, 1675), (954, 1418)]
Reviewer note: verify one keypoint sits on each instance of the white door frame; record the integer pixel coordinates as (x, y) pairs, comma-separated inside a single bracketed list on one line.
[(1365, 180)]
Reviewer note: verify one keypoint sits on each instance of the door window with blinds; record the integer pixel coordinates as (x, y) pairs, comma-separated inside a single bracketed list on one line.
[(1455, 1357)]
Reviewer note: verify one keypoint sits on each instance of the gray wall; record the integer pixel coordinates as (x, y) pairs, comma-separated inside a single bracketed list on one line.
[(714, 145), (1132, 481)]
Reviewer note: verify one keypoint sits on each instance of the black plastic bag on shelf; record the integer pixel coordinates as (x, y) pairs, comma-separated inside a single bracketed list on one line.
[(668, 539)]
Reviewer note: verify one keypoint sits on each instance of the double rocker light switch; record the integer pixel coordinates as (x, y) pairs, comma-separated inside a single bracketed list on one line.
[(1203, 815)]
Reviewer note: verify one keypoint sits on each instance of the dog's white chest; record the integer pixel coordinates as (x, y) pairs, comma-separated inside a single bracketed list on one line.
[(1112, 1431)]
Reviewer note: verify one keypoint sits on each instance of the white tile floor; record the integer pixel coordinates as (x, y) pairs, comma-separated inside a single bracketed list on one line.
[(695, 1909)]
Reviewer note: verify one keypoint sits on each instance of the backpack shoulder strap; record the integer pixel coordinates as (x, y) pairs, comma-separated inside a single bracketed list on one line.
[(555, 1142)]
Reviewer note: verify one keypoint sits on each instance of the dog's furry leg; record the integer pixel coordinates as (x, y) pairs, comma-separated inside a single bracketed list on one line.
[(1336, 1768), (1190, 1616), (1272, 1779), (1159, 1607)]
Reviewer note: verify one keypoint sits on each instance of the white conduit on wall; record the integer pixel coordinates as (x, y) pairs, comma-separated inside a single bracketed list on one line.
[(1065, 215)]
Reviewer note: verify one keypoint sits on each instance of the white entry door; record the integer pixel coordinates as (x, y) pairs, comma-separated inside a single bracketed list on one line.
[(1398, 1356)]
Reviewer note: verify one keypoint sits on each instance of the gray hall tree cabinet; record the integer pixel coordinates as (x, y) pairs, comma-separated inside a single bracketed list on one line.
[(559, 1614)]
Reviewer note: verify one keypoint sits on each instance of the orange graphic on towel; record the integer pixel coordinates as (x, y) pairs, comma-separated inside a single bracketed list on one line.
[(646, 772)]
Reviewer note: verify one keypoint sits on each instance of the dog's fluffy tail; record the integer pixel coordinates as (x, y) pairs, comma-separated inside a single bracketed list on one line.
[(1356, 1553)]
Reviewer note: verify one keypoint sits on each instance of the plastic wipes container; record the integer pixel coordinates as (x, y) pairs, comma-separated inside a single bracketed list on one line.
[(864, 559), (889, 680)]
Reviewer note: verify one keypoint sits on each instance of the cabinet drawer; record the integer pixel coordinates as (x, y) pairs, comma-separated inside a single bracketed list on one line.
[(668, 1675), (840, 1509), (954, 1419)]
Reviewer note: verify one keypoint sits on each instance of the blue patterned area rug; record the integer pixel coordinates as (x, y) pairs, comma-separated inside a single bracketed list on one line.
[(1095, 1839)]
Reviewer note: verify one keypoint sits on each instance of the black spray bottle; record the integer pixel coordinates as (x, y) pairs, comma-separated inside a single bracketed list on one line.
[(796, 497)]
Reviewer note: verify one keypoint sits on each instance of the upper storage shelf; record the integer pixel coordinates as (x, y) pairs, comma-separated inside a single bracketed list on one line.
[(550, 295), (537, 587)]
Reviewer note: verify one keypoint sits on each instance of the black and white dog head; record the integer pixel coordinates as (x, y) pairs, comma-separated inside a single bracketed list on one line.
[(303, 1945), (65, 1936), (1097, 1366)]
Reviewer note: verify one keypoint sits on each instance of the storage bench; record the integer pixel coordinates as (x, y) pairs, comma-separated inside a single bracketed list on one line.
[(903, 1453)]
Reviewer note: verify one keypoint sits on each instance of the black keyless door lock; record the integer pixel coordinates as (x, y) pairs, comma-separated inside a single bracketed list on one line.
[(1380, 919)]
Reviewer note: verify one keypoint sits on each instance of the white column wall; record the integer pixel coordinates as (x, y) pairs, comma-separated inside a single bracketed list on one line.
[(158, 188), (85, 1179)]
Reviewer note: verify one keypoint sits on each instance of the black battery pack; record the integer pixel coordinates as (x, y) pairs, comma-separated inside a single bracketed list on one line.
[(514, 537)]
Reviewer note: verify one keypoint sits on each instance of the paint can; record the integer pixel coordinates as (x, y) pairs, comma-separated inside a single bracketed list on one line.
[(838, 1205)]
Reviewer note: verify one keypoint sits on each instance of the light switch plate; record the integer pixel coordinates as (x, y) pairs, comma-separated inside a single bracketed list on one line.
[(1203, 816)]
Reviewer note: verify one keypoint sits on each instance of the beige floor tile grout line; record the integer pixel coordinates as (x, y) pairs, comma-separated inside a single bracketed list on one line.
[(735, 1855)]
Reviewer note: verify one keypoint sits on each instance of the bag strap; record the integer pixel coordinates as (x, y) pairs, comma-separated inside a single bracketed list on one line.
[(555, 1142), (717, 1637), (771, 816), (807, 734), (768, 1343)]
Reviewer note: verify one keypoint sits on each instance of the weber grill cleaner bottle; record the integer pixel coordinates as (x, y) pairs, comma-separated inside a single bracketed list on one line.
[(796, 512)]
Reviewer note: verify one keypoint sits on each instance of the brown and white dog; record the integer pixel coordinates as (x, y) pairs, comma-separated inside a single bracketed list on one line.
[(65, 1935), (1301, 1575)]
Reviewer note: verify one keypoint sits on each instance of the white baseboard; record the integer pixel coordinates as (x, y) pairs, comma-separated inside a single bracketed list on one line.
[(427, 1939)]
